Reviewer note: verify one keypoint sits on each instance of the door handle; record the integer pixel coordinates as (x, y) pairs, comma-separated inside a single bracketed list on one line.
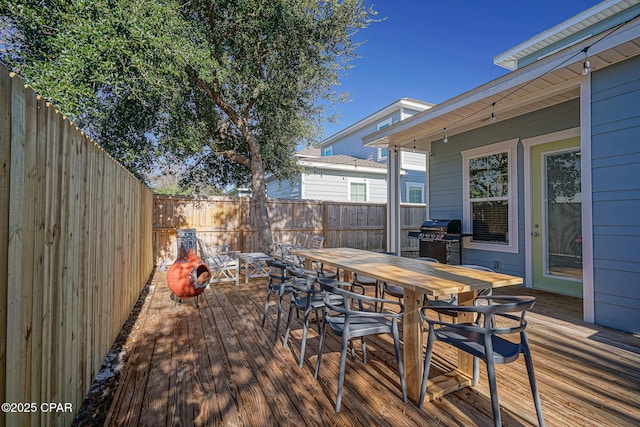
[(535, 233)]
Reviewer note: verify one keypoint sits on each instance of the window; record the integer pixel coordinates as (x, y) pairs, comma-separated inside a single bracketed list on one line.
[(328, 151), (490, 197), (358, 192), (415, 192), (382, 152)]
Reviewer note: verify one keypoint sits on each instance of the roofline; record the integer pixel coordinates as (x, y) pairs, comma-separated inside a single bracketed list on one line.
[(509, 59), (563, 58), (400, 103), (343, 167)]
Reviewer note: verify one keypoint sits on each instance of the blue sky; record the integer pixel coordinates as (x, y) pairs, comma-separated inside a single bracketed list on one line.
[(434, 50)]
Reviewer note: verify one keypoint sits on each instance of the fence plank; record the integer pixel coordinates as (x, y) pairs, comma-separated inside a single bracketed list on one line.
[(5, 170)]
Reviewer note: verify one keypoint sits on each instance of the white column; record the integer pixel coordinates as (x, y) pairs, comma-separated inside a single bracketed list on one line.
[(588, 285), (393, 200)]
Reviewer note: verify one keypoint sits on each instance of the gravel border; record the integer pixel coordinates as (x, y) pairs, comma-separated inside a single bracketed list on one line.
[(95, 407)]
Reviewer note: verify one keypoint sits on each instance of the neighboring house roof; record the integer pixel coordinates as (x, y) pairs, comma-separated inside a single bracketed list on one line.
[(569, 32), (409, 103), (557, 79), (309, 152), (342, 162)]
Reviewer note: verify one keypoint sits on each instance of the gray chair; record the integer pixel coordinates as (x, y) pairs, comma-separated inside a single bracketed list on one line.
[(366, 281), (280, 285), (348, 322), (398, 291), (306, 296), (453, 299), (483, 339)]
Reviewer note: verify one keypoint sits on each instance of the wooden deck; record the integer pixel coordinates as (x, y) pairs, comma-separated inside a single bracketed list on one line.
[(215, 365)]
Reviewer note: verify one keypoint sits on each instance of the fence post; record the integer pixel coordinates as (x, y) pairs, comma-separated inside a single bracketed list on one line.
[(325, 222), (241, 222)]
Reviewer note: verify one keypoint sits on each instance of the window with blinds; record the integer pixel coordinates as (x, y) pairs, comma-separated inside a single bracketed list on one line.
[(490, 197)]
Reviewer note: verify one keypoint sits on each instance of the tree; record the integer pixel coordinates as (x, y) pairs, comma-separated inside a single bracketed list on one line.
[(231, 87)]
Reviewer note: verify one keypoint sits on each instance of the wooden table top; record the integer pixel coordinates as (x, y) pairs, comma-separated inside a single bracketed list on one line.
[(414, 274)]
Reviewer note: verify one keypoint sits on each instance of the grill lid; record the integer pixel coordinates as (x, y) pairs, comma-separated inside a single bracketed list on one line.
[(441, 226)]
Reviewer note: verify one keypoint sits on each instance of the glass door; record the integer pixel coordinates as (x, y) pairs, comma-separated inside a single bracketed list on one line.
[(556, 235)]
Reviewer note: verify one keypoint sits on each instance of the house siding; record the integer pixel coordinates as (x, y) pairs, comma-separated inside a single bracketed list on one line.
[(284, 189), (445, 174), (615, 167), (351, 144), (413, 161), (332, 185)]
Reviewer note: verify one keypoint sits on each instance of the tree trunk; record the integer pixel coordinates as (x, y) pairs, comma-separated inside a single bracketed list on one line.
[(265, 239)]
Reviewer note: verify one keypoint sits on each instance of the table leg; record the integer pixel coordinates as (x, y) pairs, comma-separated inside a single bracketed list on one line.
[(412, 351), (462, 376), (465, 360)]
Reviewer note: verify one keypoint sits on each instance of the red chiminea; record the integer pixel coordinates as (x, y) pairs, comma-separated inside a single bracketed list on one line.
[(189, 276)]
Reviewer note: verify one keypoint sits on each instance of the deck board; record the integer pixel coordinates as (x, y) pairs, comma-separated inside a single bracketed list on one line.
[(215, 365)]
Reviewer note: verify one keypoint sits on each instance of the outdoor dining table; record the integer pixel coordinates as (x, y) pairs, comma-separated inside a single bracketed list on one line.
[(417, 278)]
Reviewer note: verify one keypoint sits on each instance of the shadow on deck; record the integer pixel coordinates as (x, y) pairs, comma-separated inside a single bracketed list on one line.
[(215, 365)]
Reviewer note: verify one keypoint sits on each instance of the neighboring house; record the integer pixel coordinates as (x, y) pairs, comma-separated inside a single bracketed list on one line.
[(542, 165), (342, 169), (338, 178)]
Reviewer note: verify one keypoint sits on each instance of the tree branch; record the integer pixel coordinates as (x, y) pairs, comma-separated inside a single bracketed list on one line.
[(237, 158)]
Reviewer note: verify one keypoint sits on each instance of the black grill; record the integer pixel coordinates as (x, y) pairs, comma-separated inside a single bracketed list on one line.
[(436, 237)]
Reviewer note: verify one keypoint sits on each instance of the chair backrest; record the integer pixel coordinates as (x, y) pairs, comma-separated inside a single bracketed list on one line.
[(428, 259), (512, 309), (316, 242), (352, 299), (477, 267), (301, 240)]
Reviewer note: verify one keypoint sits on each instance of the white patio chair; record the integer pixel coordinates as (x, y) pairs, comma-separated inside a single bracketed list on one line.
[(223, 263)]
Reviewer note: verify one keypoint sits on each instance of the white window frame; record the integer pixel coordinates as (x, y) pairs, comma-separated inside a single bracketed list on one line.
[(364, 181), (382, 125), (511, 148), (408, 186), (328, 149)]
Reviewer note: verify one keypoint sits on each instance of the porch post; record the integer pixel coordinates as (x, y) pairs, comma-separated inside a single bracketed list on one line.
[(393, 200)]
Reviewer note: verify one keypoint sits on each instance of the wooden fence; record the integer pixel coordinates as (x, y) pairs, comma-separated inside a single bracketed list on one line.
[(221, 220), (75, 252)]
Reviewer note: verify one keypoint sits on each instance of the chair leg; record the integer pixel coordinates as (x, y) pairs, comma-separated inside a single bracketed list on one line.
[(286, 333), (493, 389), (427, 366), (343, 363), (303, 345), (320, 345), (266, 307), (275, 338), (476, 371), (396, 344), (364, 350), (532, 380)]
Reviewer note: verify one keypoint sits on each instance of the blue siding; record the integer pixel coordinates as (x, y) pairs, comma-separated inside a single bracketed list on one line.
[(445, 173), (615, 131), (351, 144), (284, 189)]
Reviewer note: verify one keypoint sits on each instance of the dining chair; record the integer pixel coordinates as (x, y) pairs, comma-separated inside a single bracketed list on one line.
[(281, 249), (279, 284), (453, 299), (348, 319), (398, 291), (484, 339), (306, 296)]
